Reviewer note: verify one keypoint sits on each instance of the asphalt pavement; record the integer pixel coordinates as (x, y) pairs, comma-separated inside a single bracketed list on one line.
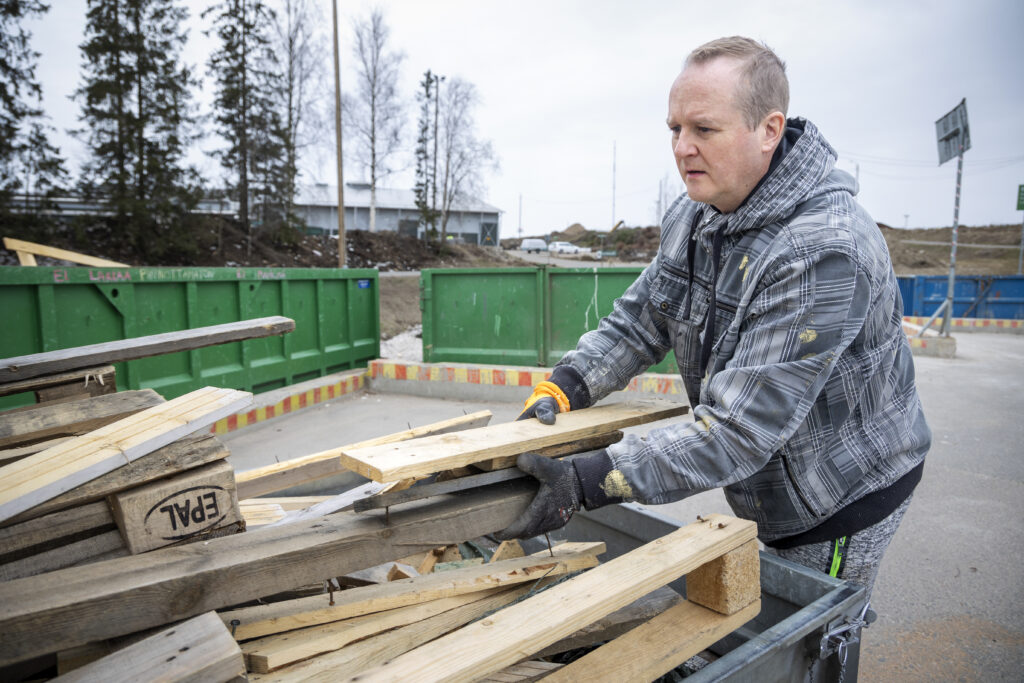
[(950, 594)]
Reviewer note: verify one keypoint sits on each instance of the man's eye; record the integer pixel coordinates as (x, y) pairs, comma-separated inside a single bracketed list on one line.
[(675, 130), (703, 130)]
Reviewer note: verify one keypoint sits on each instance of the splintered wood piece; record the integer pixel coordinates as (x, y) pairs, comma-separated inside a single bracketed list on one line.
[(184, 454), (507, 550), (95, 380), (260, 514), (45, 475), (278, 476), (504, 637), (400, 571), (523, 672), (177, 508), (426, 455), (50, 362), (39, 422), (274, 652), (658, 646), (69, 607), (378, 649), (200, 649), (261, 620)]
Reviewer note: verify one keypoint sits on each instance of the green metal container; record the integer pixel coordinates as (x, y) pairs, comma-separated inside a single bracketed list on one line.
[(336, 313), (516, 316)]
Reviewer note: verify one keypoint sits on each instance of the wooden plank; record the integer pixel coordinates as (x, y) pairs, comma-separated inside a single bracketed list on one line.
[(426, 455), (40, 477), (658, 646), (198, 650), (183, 454), (77, 657), (273, 652), (261, 620), (375, 651), (103, 376), (65, 608), (50, 362), (259, 514), (526, 627), (71, 555), (11, 454), (401, 571), (48, 531), (288, 503), (263, 480), (26, 258), (588, 444), (177, 508), (32, 248), (73, 417)]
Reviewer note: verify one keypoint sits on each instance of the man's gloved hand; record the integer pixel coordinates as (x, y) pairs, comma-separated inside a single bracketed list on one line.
[(544, 403), (565, 487)]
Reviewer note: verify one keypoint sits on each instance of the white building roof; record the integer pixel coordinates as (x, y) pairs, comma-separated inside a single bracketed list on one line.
[(358, 195)]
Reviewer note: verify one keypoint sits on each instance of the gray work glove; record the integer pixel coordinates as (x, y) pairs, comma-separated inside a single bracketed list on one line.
[(544, 409)]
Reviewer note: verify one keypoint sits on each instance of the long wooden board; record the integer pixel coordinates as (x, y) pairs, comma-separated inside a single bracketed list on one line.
[(40, 477), (51, 362), (275, 651), (24, 247), (198, 650), (37, 423), (183, 454), (43, 533), (65, 608), (526, 627), (263, 480), (653, 649), (424, 456), (379, 649), (91, 549), (261, 620)]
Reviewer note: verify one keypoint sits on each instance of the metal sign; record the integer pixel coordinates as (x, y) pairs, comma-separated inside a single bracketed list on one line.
[(953, 134), (1020, 197)]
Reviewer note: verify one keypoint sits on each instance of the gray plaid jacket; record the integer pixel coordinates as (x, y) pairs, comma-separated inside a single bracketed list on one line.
[(808, 400)]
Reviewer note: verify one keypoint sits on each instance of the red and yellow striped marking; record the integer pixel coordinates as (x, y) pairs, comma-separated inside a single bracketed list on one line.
[(291, 403), (971, 323), (504, 376)]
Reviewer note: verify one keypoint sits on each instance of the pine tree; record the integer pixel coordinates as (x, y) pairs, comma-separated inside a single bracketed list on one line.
[(139, 120), (29, 164), (246, 71), (428, 216)]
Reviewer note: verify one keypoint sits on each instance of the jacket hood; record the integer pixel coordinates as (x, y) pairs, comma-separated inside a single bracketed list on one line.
[(804, 171)]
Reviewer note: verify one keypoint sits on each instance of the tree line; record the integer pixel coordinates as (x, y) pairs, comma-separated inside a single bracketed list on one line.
[(139, 120)]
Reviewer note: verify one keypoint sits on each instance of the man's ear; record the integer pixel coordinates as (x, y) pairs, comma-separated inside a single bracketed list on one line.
[(772, 129)]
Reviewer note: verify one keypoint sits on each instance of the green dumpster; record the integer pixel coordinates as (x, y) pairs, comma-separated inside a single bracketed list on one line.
[(336, 313), (516, 316)]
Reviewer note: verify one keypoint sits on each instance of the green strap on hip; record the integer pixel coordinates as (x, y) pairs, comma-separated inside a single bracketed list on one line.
[(838, 553)]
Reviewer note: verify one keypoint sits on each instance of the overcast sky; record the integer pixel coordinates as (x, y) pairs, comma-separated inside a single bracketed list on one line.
[(562, 82)]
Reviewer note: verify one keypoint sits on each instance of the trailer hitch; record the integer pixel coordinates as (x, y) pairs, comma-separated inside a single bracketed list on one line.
[(840, 635)]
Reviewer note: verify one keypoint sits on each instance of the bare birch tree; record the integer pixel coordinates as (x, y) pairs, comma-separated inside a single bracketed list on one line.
[(375, 113), (463, 156), (302, 55)]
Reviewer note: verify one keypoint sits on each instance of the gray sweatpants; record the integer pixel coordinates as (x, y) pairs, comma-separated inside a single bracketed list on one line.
[(864, 551)]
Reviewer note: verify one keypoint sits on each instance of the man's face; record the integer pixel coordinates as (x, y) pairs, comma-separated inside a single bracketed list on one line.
[(720, 159)]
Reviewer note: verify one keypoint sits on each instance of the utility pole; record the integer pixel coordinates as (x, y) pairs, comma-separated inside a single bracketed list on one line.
[(613, 181), (906, 221), (520, 215), (342, 254)]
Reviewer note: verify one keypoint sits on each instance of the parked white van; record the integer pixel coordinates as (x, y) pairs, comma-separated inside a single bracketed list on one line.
[(533, 245)]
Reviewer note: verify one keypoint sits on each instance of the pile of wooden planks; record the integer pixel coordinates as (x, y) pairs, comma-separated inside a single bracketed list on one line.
[(317, 591)]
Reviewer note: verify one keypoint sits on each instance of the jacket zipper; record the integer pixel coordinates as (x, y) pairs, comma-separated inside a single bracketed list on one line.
[(678, 272)]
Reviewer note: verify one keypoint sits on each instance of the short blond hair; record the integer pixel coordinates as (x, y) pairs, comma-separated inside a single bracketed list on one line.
[(765, 86)]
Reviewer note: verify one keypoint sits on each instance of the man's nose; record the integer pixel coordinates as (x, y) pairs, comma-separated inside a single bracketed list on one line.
[(684, 146)]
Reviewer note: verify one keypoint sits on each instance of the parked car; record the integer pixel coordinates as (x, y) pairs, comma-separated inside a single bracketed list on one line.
[(563, 248), (533, 245)]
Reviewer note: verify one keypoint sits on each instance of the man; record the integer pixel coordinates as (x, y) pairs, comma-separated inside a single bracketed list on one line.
[(776, 293)]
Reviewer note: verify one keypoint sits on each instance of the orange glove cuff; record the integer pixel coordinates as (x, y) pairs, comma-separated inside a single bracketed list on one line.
[(551, 389)]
